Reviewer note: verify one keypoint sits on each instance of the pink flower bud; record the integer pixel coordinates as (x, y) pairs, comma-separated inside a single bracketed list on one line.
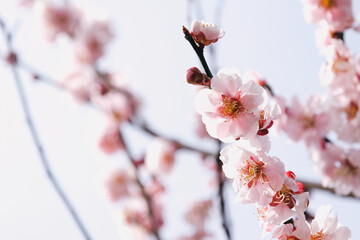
[(205, 33), (196, 77)]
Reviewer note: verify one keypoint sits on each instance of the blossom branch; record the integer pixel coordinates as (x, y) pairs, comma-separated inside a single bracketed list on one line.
[(221, 182), (143, 126), (146, 197), (199, 51), (311, 185), (36, 138)]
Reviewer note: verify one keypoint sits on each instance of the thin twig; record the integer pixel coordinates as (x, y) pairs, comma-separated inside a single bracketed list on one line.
[(142, 126), (221, 182), (36, 138), (311, 185), (199, 51), (146, 197)]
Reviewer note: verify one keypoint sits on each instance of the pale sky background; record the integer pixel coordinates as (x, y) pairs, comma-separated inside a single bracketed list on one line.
[(268, 36)]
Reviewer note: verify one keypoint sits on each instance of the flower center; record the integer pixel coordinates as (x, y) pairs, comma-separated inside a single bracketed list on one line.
[(307, 121), (327, 3), (346, 169), (319, 236), (351, 110), (231, 107), (340, 65), (252, 172), (284, 196)]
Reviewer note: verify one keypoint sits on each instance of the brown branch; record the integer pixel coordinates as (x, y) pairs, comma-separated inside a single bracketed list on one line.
[(143, 126), (146, 197), (12, 60), (199, 50), (311, 185), (221, 182)]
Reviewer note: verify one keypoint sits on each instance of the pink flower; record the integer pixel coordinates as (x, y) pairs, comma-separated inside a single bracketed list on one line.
[(205, 33), (91, 41), (255, 176), (297, 230), (110, 141), (230, 109), (265, 225), (336, 13), (118, 184), (345, 113), (309, 123), (326, 226), (267, 115), (136, 220), (160, 156), (339, 170), (61, 19), (83, 84), (287, 202), (198, 213), (117, 105), (339, 71)]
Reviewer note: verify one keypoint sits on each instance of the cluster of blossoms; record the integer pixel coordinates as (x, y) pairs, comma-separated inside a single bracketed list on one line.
[(235, 109), (238, 110), (141, 204), (327, 123)]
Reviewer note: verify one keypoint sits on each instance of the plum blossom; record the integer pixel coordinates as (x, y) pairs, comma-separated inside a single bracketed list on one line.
[(135, 220), (298, 229), (345, 115), (340, 170), (118, 106), (205, 33), (339, 71), (159, 156), (326, 226), (267, 115), (91, 42), (230, 109), (288, 201), (118, 184), (198, 213), (111, 141), (256, 176), (83, 84), (309, 123), (336, 13), (60, 19)]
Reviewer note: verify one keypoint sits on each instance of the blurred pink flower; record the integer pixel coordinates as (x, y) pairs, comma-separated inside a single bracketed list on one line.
[(160, 156), (111, 142), (118, 184), (91, 41), (309, 123), (61, 19), (337, 13)]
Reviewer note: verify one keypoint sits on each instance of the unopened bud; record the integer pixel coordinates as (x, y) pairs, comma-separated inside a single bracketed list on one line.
[(290, 174), (301, 187), (11, 58), (196, 77)]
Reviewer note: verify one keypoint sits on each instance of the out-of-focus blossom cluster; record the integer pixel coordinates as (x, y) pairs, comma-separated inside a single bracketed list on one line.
[(329, 124)]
